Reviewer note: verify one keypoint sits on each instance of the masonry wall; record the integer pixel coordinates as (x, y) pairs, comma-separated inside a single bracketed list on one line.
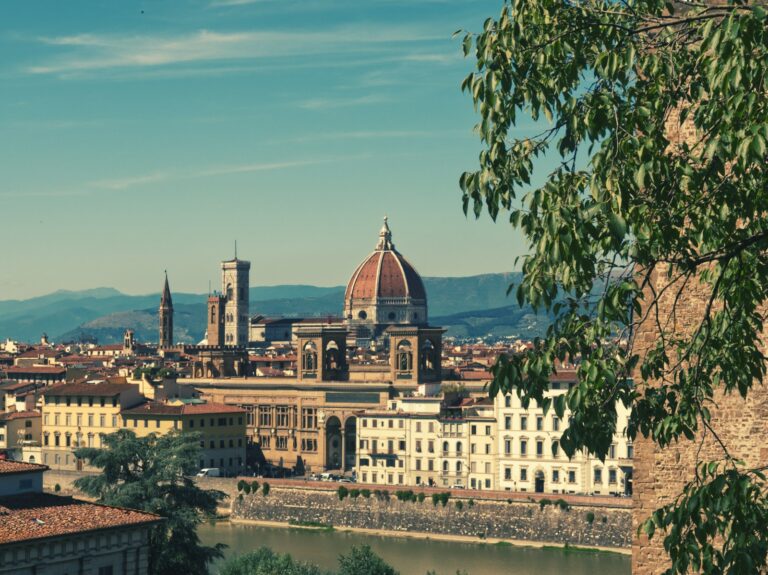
[(661, 474), (485, 518)]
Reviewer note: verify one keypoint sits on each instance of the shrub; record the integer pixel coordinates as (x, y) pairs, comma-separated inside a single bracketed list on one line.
[(240, 485), (240, 497), (267, 561), (509, 502), (421, 497), (604, 519), (265, 489), (57, 488), (405, 495), (354, 493), (255, 487), (435, 499), (246, 488), (563, 505), (544, 502), (444, 497), (471, 502), (590, 517), (459, 505), (342, 492), (365, 493)]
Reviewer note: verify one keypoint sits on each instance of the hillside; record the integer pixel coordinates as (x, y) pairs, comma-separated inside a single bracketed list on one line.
[(469, 306)]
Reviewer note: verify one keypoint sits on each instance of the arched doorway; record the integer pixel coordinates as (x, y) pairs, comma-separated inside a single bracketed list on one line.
[(333, 443), (539, 482), (350, 442)]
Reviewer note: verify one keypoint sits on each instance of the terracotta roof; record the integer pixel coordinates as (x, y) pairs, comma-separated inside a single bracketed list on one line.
[(39, 352), (385, 274), (13, 385), (89, 389), (10, 416), (41, 515), (36, 369), (8, 467), (154, 408)]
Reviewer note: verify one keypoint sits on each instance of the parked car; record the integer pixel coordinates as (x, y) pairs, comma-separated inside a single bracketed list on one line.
[(209, 472)]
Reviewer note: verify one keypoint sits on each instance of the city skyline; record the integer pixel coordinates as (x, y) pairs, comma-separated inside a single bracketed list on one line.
[(145, 137)]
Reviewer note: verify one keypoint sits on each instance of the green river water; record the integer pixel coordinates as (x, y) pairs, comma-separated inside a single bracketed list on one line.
[(415, 556)]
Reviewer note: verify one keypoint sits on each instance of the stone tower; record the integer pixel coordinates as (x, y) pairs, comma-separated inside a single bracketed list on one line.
[(215, 331), (166, 317), (235, 286)]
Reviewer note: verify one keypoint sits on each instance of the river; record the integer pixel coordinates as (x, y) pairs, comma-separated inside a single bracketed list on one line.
[(415, 556)]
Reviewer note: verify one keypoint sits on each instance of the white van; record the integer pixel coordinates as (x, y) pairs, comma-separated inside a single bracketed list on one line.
[(209, 472)]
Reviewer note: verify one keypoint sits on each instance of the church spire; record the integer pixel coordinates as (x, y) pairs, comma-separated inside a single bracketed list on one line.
[(166, 316), (385, 237)]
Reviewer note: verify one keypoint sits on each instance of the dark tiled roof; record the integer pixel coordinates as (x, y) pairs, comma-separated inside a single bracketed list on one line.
[(153, 408), (41, 515), (89, 389)]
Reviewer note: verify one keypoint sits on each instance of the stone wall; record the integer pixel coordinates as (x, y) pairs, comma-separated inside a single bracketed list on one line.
[(484, 518)]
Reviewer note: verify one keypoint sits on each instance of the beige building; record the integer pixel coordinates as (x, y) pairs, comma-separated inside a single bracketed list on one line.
[(77, 415), (221, 428), (423, 441), (19, 430), (530, 457), (44, 534)]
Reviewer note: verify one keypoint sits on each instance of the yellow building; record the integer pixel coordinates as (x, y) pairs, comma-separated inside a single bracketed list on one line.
[(19, 429), (221, 428), (423, 441), (77, 415)]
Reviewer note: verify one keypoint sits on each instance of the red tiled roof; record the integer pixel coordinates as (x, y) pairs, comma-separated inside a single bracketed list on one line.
[(41, 515), (154, 408), (38, 352), (86, 389), (8, 467), (36, 369), (10, 416), (385, 273)]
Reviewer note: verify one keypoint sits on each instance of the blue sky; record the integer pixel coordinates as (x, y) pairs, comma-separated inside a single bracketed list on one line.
[(136, 142)]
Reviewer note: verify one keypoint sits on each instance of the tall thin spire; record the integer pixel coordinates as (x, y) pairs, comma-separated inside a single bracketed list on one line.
[(166, 316), (235, 249), (385, 237)]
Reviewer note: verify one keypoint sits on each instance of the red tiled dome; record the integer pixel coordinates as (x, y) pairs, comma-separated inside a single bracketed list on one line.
[(385, 274)]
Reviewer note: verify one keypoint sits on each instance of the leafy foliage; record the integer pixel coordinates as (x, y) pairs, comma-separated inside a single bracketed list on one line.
[(264, 561), (361, 560), (153, 474), (654, 112)]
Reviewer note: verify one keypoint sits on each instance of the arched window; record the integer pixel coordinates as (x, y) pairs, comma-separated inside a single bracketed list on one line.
[(458, 448), (445, 447), (428, 362), (458, 467), (229, 292), (404, 356), (213, 313), (310, 356), (508, 401), (332, 356), (445, 466)]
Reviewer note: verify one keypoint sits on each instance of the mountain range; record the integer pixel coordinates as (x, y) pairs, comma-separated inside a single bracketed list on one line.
[(467, 306)]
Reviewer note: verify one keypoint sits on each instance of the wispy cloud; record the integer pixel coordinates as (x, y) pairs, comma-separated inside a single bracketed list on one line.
[(331, 103), (127, 182), (89, 52)]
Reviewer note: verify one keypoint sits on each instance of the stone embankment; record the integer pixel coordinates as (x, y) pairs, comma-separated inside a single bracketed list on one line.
[(579, 521)]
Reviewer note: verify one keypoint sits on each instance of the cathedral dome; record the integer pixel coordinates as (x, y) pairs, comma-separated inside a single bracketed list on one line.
[(385, 288)]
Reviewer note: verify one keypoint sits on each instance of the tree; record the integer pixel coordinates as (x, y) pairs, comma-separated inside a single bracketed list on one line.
[(266, 562), (361, 560), (152, 474), (654, 117)]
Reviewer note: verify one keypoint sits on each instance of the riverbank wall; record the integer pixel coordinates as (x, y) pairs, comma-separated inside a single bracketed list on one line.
[(578, 523)]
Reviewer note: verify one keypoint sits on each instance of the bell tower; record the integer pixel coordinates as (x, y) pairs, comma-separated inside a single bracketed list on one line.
[(235, 285), (166, 317)]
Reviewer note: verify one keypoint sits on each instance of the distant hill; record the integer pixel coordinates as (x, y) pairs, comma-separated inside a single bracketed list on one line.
[(105, 313)]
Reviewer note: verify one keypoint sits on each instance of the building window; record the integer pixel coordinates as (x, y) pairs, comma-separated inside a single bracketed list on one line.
[(458, 448), (508, 422), (264, 441), (473, 430), (507, 447), (265, 416), (571, 476), (282, 416), (309, 418), (508, 401), (612, 476), (508, 474), (630, 451), (555, 423), (612, 452), (102, 421), (539, 448), (523, 474), (555, 448), (555, 476), (487, 429), (523, 422), (539, 423), (523, 447), (281, 442), (598, 478)]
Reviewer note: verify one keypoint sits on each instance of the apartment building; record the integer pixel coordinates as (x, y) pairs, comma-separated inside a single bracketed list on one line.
[(423, 441), (77, 415), (530, 457), (222, 429), (19, 430)]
